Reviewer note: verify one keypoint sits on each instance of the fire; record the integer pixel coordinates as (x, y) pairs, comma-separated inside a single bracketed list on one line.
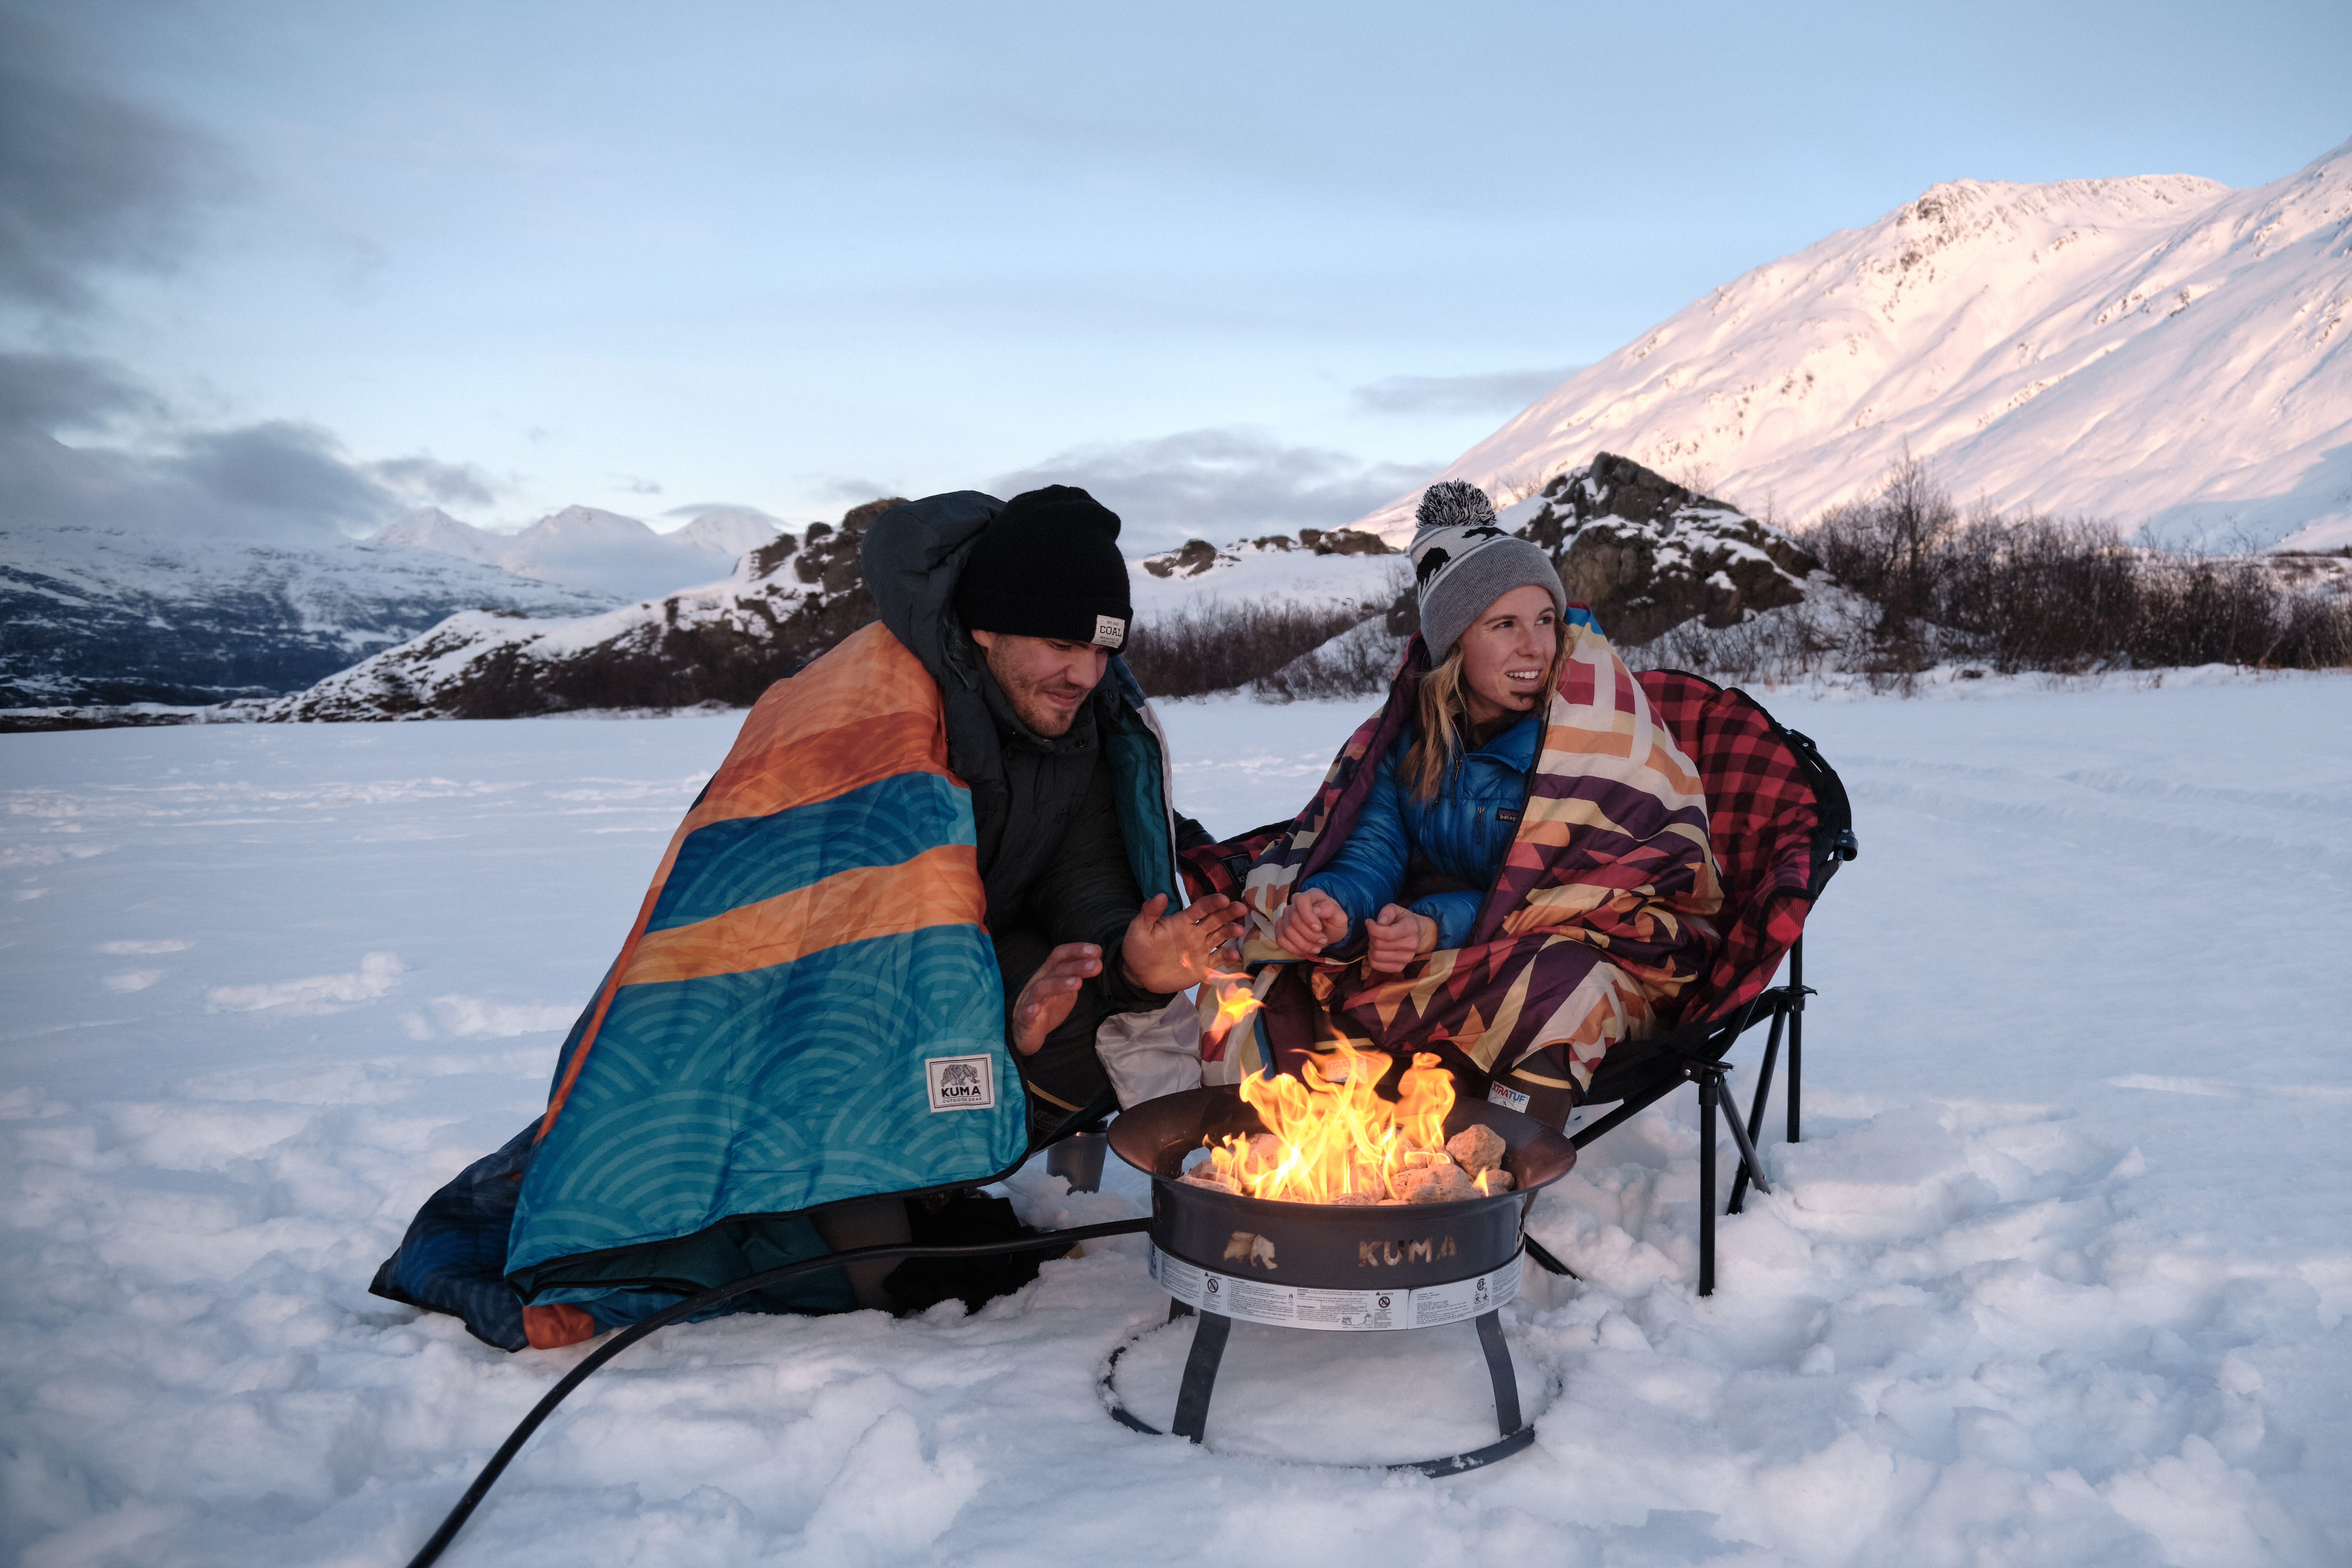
[(1234, 1001), (1330, 1139)]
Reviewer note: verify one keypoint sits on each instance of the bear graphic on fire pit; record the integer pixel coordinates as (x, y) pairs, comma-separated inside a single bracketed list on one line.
[(1246, 1247)]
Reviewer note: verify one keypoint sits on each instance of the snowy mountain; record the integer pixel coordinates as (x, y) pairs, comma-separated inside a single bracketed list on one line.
[(785, 603), (598, 552), (2161, 350), (110, 615), (728, 532)]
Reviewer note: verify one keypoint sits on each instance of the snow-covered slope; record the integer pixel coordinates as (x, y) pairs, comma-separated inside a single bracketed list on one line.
[(596, 551), (720, 642), (2159, 351), (108, 616), (1339, 569)]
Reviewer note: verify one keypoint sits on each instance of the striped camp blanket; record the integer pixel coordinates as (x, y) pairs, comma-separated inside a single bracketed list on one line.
[(807, 1008), (1601, 916)]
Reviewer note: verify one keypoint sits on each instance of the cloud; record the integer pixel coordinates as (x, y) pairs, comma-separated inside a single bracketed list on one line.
[(1496, 392), (280, 469), (444, 484), (1220, 484), (856, 492), (87, 180), (278, 480), (62, 392)]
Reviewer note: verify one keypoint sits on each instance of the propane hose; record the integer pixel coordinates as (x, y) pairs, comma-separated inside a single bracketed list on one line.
[(711, 1297)]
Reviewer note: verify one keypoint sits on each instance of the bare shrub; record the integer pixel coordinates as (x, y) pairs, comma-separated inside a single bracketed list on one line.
[(1220, 646), (1356, 664), (2068, 595)]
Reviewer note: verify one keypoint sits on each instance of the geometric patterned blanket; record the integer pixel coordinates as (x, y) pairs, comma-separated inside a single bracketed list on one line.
[(1601, 916)]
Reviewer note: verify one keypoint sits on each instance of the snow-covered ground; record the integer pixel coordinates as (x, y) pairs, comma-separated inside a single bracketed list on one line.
[(2058, 1275)]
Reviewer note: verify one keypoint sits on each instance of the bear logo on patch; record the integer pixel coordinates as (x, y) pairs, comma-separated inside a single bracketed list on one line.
[(960, 1083)]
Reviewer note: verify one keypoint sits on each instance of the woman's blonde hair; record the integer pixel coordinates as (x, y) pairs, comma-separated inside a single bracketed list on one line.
[(1439, 708)]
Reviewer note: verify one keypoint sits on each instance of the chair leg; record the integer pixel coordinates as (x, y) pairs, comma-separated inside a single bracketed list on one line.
[(1755, 1111), (1748, 1163), (1707, 1093), (1795, 1030)]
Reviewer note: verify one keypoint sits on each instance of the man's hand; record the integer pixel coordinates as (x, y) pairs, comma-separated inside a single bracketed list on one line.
[(1045, 1001), (1169, 949), (1311, 921), (1398, 937)]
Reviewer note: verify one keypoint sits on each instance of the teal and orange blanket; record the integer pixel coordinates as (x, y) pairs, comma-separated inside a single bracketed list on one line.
[(806, 1010), (1601, 918)]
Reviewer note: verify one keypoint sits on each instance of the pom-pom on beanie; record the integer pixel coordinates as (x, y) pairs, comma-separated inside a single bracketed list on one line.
[(1048, 566), (1463, 561)]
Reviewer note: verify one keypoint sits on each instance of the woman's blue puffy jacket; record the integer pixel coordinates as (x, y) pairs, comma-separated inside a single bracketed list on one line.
[(1463, 835)]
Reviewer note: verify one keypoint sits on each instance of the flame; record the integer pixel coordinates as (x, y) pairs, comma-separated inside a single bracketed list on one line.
[(1234, 1001), (1329, 1139)]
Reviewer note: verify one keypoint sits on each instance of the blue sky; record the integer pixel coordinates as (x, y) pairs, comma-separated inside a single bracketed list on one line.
[(285, 267)]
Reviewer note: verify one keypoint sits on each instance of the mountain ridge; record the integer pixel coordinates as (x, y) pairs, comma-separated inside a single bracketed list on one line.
[(116, 615), (2162, 350), (595, 551)]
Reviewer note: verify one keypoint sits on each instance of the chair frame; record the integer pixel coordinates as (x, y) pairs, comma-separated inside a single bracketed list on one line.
[(1640, 1073)]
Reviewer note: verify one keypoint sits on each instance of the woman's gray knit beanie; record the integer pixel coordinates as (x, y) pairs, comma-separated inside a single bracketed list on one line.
[(1464, 561)]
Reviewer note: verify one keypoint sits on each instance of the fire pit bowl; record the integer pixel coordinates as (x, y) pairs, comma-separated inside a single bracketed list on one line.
[(1331, 1266)]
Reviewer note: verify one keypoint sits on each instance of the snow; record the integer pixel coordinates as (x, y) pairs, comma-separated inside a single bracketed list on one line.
[(1279, 572), (2163, 351), (2060, 1273)]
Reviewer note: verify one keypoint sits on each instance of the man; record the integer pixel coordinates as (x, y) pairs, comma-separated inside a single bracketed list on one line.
[(1016, 622), (872, 966)]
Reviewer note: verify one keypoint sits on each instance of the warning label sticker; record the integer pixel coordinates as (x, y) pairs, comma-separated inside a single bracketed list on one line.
[(1296, 1307)]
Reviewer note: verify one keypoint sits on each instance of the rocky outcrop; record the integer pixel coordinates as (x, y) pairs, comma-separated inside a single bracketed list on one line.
[(1195, 556), (787, 602), (1647, 554)]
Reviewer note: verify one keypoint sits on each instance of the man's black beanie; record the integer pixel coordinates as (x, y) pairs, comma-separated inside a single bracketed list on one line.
[(1048, 566)]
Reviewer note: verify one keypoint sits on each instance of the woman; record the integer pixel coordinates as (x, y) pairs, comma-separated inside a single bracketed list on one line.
[(1508, 865)]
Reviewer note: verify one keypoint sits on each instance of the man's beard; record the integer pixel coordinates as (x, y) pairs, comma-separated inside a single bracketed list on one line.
[(1030, 706)]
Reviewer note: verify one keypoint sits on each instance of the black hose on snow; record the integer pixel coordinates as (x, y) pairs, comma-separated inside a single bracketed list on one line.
[(711, 1297)]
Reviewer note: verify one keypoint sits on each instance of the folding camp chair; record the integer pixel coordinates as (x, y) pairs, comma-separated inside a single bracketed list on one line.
[(1780, 825)]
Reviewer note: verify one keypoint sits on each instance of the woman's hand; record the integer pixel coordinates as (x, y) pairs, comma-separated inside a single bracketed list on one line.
[(1398, 937), (1045, 1001), (1311, 921), (1170, 949)]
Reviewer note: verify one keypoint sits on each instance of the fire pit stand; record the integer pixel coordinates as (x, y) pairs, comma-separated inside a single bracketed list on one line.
[(1327, 1267)]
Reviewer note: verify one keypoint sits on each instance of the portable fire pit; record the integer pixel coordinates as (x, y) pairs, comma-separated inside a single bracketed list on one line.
[(1349, 1268)]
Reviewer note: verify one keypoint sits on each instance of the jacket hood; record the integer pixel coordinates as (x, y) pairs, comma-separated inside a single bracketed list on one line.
[(913, 556)]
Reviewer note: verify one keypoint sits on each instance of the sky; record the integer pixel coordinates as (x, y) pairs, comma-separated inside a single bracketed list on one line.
[(288, 268)]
